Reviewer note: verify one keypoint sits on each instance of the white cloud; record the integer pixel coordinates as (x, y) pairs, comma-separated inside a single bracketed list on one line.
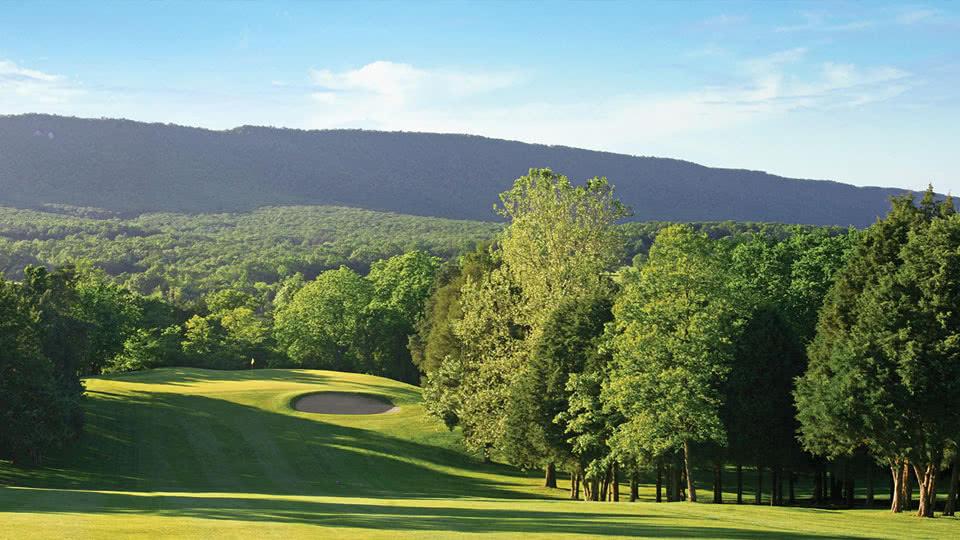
[(23, 89)]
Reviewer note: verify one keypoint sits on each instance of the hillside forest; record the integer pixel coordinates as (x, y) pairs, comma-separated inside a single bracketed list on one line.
[(559, 341)]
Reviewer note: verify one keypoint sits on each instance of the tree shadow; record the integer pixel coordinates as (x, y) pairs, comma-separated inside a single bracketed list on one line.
[(163, 441), (180, 376), (588, 520)]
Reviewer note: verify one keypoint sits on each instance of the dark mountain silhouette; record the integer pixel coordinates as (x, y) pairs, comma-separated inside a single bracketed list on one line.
[(131, 167)]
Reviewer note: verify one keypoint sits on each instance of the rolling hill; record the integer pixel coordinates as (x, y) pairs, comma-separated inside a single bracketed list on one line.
[(128, 168)]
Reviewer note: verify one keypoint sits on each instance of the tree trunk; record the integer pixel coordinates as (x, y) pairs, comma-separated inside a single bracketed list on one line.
[(339, 359), (575, 484), (896, 488), (779, 486), (550, 476), (634, 485), (36, 457), (817, 487), (927, 480), (773, 486), (828, 486), (869, 485), (759, 494), (906, 485), (717, 484), (687, 462), (793, 494), (950, 508), (669, 470), (605, 484), (616, 483), (595, 488), (681, 483), (660, 481), (739, 484)]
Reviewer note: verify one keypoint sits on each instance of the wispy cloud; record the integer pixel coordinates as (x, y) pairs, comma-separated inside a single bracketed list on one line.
[(819, 21), (394, 84), (389, 96), (915, 15), (724, 19), (28, 86)]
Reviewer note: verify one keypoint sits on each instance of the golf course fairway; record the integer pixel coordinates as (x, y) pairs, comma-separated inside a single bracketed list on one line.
[(191, 453)]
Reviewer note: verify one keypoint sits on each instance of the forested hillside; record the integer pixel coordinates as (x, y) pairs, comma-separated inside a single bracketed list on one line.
[(129, 168), (185, 256)]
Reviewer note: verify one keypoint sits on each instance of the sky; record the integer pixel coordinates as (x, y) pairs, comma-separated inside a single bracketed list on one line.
[(866, 93)]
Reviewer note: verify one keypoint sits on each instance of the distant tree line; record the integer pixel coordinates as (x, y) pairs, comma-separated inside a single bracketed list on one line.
[(707, 352), (186, 257)]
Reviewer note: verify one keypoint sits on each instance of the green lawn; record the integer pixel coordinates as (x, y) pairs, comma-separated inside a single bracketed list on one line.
[(175, 453)]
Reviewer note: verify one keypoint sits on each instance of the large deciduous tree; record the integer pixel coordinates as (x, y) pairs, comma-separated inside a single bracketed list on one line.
[(672, 350)]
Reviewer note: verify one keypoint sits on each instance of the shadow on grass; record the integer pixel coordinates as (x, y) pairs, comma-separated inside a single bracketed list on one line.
[(187, 376), (164, 441), (590, 521)]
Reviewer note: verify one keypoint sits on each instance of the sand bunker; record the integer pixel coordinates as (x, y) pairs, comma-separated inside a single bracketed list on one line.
[(343, 403)]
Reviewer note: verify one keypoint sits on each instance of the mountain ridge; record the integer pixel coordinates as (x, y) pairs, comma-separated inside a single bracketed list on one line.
[(130, 167)]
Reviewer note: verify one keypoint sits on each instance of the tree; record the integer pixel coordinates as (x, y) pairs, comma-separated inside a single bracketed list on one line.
[(783, 284), (435, 338), (569, 345), (559, 243), (111, 314), (757, 411), (401, 286), (320, 327), (560, 239), (672, 349), (557, 246), (39, 396), (887, 347)]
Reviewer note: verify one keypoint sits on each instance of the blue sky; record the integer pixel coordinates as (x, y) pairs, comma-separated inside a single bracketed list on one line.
[(864, 93)]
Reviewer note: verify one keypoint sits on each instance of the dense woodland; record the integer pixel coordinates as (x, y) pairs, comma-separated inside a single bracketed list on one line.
[(561, 341), (128, 168), (183, 257)]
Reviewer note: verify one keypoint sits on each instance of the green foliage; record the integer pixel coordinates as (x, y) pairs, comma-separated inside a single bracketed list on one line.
[(321, 326), (757, 410), (568, 347), (150, 348), (560, 239), (185, 257), (886, 348), (673, 349), (435, 338), (40, 394)]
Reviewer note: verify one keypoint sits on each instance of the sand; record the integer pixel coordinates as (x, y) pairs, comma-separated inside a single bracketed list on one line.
[(343, 403)]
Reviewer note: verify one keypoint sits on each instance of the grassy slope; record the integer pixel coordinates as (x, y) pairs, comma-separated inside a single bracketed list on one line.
[(190, 453)]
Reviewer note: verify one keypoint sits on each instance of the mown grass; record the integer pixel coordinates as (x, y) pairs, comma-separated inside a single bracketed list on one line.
[(176, 453)]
